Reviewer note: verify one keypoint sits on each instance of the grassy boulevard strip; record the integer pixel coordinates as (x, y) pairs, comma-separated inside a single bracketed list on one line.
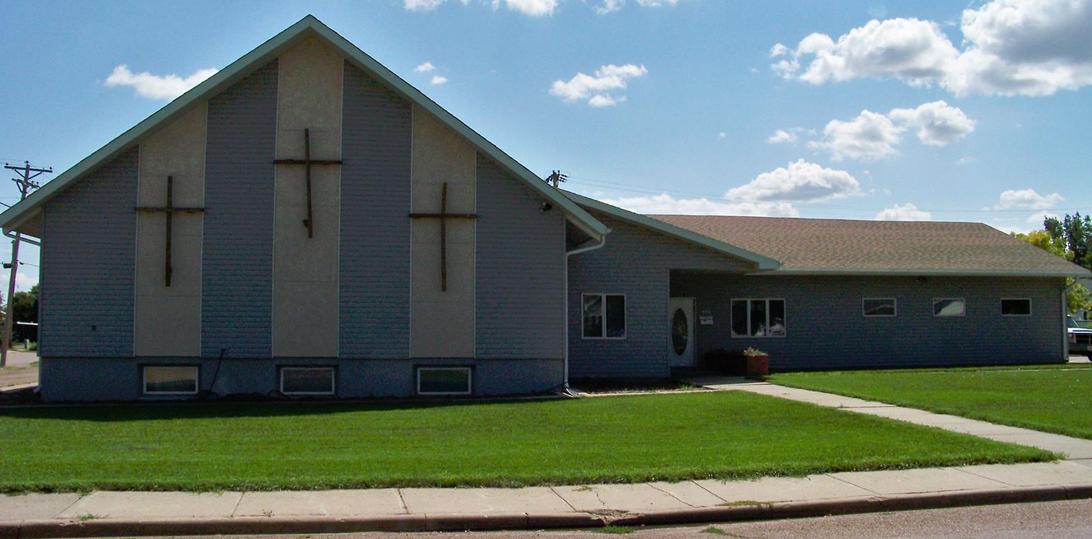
[(1047, 398), (344, 445)]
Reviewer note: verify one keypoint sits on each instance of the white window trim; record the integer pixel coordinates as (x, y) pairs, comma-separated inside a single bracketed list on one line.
[(961, 315), (894, 304), (603, 324), (1003, 300), (196, 379), (333, 380), (469, 381), (767, 300)]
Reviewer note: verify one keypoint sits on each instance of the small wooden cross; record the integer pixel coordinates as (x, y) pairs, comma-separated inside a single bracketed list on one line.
[(443, 216), (169, 210), (309, 222)]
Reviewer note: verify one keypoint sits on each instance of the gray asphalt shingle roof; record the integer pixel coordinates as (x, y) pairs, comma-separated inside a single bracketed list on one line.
[(849, 246)]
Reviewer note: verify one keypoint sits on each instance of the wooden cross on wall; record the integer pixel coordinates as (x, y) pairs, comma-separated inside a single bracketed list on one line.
[(169, 210), (309, 222), (443, 216)]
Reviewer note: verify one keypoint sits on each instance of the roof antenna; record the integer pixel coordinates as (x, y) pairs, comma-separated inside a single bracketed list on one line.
[(556, 178)]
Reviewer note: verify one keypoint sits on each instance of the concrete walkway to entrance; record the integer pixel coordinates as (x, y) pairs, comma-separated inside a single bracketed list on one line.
[(1072, 448)]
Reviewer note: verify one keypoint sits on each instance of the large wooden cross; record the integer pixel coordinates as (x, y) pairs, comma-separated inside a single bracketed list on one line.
[(443, 216), (169, 210), (309, 222)]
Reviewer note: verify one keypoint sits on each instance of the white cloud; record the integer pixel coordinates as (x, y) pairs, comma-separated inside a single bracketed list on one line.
[(937, 123), (667, 204), (25, 279), (656, 3), (1010, 47), (603, 100), (782, 136), (799, 181), (869, 136), (1027, 199), (609, 6), (437, 80), (873, 135), (911, 50), (533, 8), (156, 86), (597, 88), (422, 5), (425, 67), (903, 212), (722, 135)]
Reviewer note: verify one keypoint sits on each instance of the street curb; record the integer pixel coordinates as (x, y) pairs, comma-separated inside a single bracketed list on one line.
[(494, 522)]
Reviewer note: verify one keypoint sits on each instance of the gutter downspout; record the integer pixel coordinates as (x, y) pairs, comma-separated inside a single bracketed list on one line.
[(577, 251)]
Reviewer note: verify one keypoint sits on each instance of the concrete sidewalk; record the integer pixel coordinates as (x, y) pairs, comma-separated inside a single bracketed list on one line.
[(1072, 448), (418, 509)]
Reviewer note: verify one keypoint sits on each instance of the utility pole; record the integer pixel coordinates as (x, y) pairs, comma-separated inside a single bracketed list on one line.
[(556, 178), (25, 182)]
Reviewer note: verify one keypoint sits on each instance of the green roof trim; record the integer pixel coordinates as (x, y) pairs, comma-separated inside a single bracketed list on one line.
[(762, 263), (17, 214)]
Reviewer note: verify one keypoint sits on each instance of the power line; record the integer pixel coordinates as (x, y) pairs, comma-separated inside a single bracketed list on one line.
[(25, 182)]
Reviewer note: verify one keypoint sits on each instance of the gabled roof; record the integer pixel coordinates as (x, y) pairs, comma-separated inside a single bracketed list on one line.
[(28, 208), (842, 246), (762, 262)]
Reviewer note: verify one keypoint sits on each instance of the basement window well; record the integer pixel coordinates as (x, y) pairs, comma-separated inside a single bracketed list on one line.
[(444, 380), (307, 380), (170, 380)]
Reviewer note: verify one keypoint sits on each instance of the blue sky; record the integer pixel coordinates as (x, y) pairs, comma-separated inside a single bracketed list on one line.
[(910, 110)]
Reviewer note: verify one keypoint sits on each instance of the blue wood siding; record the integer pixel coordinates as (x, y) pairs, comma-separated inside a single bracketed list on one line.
[(636, 262), (826, 328), (88, 250), (237, 281), (375, 225), (520, 270)]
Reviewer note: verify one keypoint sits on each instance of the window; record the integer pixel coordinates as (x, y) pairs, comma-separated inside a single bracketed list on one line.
[(307, 380), (604, 316), (758, 318), (444, 380), (1015, 307), (170, 380), (944, 307), (878, 307)]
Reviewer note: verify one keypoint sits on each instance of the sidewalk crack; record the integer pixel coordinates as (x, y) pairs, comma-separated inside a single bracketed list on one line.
[(552, 489), (684, 502), (237, 504), (853, 484), (402, 500), (714, 494)]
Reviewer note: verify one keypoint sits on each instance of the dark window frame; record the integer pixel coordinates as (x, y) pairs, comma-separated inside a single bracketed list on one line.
[(333, 380), (766, 331), (604, 316)]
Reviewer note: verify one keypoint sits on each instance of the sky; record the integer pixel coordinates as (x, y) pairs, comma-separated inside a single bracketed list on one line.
[(852, 109)]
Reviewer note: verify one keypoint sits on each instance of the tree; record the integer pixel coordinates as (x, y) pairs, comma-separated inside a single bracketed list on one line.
[(1078, 297), (25, 307)]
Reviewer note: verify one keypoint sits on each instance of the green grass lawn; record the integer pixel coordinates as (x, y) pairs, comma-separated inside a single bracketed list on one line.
[(1050, 398), (337, 445)]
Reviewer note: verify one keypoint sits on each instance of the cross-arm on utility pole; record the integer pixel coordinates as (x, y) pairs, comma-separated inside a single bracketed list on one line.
[(25, 182)]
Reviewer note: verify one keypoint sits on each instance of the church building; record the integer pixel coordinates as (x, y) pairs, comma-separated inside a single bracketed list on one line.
[(305, 223)]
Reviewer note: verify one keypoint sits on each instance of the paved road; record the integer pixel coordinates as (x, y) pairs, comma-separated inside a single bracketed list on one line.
[(1049, 520)]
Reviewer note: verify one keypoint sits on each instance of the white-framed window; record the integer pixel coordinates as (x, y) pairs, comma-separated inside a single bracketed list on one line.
[(603, 316), (758, 317), (308, 380), (445, 380), (879, 307), (170, 379), (947, 307), (1015, 306)]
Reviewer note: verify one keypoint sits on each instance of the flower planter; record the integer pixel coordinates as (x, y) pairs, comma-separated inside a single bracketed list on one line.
[(758, 366)]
